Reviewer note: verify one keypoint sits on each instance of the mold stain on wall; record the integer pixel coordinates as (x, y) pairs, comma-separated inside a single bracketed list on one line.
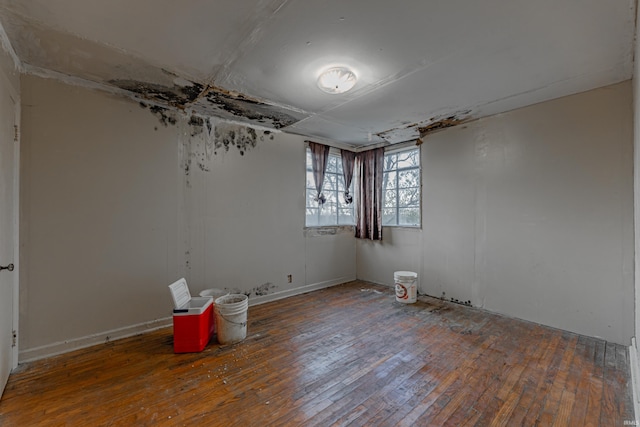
[(259, 291), (244, 138), (164, 115), (264, 289), (201, 138), (208, 100)]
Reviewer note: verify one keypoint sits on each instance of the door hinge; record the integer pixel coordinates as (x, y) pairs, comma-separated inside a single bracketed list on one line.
[(16, 133), (14, 339)]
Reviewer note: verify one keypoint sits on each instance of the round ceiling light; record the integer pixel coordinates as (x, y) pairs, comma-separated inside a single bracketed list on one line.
[(337, 80)]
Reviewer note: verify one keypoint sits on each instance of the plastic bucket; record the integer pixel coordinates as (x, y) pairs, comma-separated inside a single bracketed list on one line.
[(215, 293), (231, 318), (406, 286)]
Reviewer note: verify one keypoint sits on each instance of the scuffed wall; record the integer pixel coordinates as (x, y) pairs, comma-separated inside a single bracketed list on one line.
[(530, 214), (120, 199)]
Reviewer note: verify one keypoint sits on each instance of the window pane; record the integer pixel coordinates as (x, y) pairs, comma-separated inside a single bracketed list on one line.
[(409, 178), (312, 217), (409, 216), (389, 216), (311, 195), (331, 164), (409, 197), (389, 180), (331, 199), (330, 183), (408, 159), (346, 216), (310, 181), (341, 203), (401, 188), (334, 211), (390, 199), (328, 214), (390, 161)]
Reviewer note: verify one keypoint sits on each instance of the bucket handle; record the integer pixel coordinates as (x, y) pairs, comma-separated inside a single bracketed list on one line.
[(231, 321)]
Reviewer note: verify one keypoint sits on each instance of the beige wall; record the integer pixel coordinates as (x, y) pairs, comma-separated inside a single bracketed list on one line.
[(8, 70), (116, 206), (633, 351), (530, 214)]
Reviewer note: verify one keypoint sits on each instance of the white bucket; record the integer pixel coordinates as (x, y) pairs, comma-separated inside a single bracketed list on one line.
[(215, 293), (406, 286), (231, 318)]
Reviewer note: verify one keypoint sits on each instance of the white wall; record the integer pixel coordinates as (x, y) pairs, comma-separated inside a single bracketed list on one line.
[(633, 352), (11, 76), (117, 205), (530, 214)]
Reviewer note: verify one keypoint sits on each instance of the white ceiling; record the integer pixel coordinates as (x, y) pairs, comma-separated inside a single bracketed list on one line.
[(257, 61)]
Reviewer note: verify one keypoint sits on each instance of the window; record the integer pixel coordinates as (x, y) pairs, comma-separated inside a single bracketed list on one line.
[(334, 211), (401, 188)]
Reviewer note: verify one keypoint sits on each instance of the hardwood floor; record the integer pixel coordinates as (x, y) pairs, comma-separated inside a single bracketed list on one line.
[(347, 355)]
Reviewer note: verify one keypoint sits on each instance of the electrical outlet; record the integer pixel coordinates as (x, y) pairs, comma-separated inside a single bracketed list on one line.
[(289, 278)]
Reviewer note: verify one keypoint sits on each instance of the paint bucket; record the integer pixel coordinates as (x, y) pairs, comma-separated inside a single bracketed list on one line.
[(406, 286), (231, 318), (215, 294)]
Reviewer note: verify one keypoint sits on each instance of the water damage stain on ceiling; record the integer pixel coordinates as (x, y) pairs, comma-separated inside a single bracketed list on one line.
[(414, 131), (256, 62), (212, 101)]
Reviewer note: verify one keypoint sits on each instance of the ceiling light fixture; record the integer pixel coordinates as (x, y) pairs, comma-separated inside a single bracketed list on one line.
[(337, 80)]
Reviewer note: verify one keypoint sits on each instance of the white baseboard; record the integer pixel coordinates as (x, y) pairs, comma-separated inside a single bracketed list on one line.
[(635, 378), (61, 347), (57, 348), (300, 290)]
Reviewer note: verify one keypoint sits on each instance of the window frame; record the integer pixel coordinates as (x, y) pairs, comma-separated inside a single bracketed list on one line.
[(397, 170), (339, 195)]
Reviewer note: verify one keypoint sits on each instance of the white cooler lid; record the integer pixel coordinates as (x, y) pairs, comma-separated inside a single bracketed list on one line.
[(180, 293), (184, 304)]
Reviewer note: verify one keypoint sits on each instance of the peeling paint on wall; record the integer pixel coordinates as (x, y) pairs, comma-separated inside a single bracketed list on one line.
[(438, 123), (413, 131), (243, 106), (176, 96), (328, 231)]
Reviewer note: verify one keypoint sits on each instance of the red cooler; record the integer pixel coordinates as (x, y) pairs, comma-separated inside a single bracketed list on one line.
[(192, 319)]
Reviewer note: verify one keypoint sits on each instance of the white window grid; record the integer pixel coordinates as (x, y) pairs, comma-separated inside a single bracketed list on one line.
[(335, 211), (401, 188)]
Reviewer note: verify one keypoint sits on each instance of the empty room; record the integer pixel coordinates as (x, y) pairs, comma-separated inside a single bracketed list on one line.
[(428, 210)]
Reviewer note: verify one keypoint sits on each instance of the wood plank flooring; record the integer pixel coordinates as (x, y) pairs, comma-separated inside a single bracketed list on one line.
[(347, 355)]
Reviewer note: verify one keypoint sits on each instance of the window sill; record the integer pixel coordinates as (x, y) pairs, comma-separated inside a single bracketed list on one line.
[(327, 230), (407, 227)]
